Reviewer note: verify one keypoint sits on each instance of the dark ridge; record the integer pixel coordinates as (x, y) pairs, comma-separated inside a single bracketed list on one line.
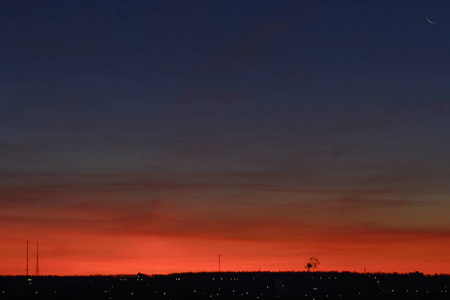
[(229, 285)]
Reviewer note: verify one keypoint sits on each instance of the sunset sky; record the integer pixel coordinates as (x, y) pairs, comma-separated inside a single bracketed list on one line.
[(152, 136)]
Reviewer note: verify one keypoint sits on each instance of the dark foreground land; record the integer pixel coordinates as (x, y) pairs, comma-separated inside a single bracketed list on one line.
[(229, 285)]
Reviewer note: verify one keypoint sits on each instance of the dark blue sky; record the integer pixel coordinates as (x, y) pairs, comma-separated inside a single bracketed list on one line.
[(281, 101), (79, 71)]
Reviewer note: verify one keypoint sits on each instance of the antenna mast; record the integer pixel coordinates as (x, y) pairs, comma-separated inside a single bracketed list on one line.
[(27, 258), (219, 262), (37, 259)]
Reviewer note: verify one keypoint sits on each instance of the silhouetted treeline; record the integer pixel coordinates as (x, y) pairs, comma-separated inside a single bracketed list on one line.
[(229, 285)]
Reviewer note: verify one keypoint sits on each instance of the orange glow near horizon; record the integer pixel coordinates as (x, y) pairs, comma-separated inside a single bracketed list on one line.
[(99, 230), (73, 253)]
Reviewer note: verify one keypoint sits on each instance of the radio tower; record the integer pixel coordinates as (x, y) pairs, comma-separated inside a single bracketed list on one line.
[(27, 258), (37, 259)]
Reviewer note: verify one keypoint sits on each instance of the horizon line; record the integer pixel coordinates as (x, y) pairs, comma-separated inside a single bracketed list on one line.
[(225, 272)]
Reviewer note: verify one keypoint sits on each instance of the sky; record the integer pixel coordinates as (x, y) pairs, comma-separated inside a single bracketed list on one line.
[(152, 136)]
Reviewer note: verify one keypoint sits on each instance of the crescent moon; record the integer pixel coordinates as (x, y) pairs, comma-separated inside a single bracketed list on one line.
[(429, 21)]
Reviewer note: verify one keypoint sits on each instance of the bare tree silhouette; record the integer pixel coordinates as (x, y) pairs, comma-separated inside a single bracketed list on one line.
[(312, 263)]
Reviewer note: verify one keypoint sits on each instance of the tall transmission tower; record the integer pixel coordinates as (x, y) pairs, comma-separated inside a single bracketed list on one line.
[(219, 262), (37, 259), (27, 258)]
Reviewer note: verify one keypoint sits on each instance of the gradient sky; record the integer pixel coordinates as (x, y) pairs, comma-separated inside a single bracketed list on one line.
[(151, 136)]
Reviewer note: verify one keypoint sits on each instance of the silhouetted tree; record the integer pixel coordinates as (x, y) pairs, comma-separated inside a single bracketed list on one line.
[(312, 263)]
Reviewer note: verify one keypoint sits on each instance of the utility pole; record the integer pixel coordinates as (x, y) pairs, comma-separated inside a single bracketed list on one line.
[(37, 259)]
